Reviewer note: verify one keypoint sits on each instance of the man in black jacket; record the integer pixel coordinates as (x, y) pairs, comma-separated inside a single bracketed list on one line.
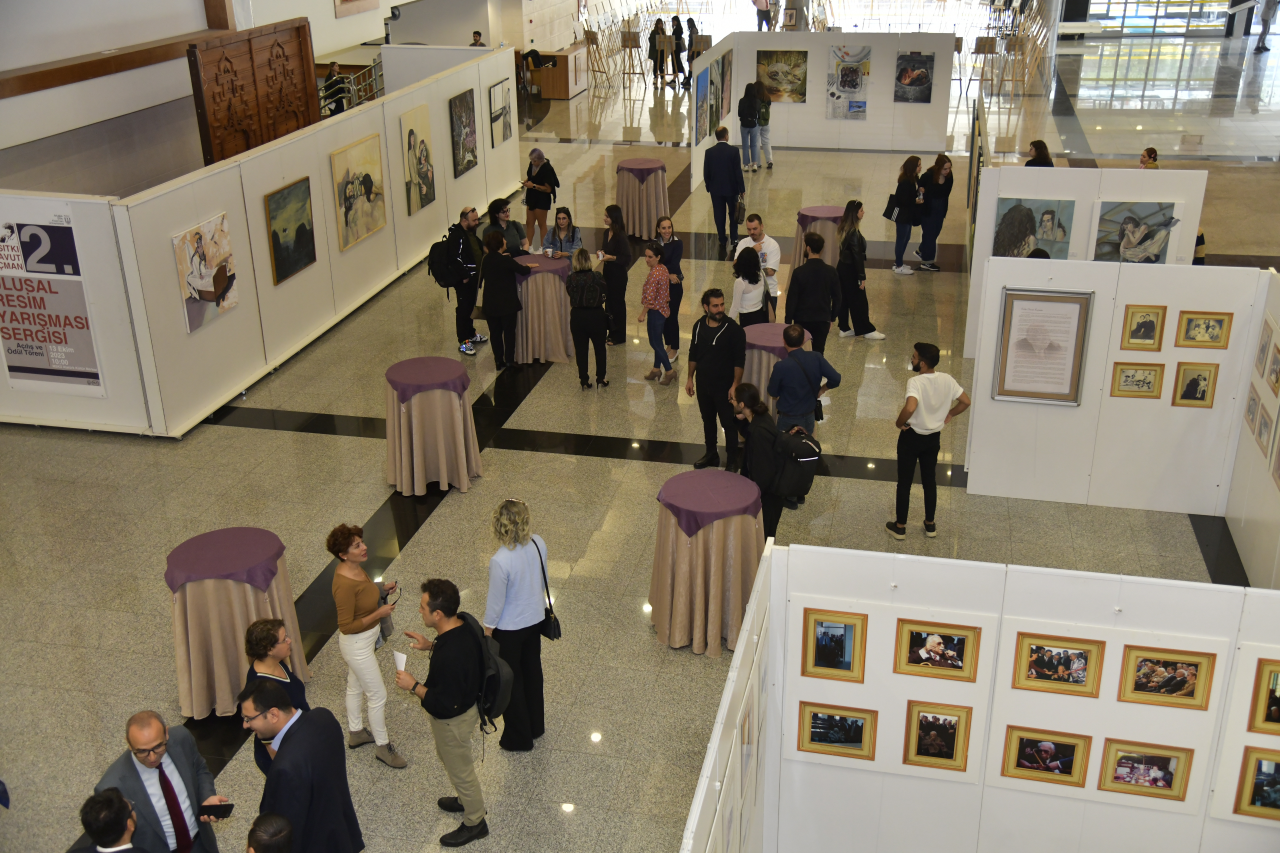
[(717, 354), (465, 247), (813, 296), (307, 782), (723, 180)]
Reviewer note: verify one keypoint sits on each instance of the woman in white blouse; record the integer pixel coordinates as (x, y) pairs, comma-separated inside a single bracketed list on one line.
[(749, 291), (513, 616)]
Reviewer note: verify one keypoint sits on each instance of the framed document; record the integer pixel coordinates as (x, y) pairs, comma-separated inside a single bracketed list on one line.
[(1043, 334)]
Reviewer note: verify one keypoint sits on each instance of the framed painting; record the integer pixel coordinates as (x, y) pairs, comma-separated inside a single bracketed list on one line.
[(1195, 384), (836, 730), (1265, 716), (1038, 755), (1203, 330), (937, 650), (1145, 769), (1051, 664), (835, 644), (1258, 792), (462, 132), (1263, 433), (1143, 327), (1042, 342), (1264, 347), (1169, 677), (1026, 224), (1251, 407), (1272, 376), (293, 231), (1142, 381), (937, 736), (206, 271), (358, 190), (419, 173), (1134, 232), (784, 73)]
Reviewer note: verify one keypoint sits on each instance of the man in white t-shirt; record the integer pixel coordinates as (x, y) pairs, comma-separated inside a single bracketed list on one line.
[(929, 407), (770, 254)]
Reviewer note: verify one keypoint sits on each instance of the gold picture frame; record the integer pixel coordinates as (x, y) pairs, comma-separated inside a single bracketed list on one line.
[(937, 736), (1195, 384), (1251, 786), (1150, 676), (1203, 329), (1275, 470), (1143, 327), (1264, 432), (955, 659), (1251, 407), (1139, 381), (1041, 346), (1048, 664), (1264, 716), (1272, 376), (835, 644), (843, 732), (1039, 755), (1145, 769)]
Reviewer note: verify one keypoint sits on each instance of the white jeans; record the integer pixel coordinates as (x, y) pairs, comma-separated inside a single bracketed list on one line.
[(364, 678), (764, 143)]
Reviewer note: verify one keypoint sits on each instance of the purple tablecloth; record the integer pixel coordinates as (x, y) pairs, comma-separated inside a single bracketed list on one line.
[(810, 215), (768, 337), (247, 554), (699, 498), (641, 167), (415, 375), (556, 266)]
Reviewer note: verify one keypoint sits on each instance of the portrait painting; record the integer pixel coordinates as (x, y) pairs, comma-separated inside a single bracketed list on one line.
[(1142, 381), (1177, 679), (1251, 407), (835, 730), (1265, 717), (1264, 347), (1052, 664), (1264, 432), (293, 231), (419, 173), (1145, 769), (462, 132), (701, 116), (937, 736), (1026, 224), (1272, 376), (206, 271), (784, 74), (848, 73), (727, 100), (1143, 327), (1207, 331), (834, 644), (937, 650), (1038, 755), (1134, 232), (499, 113), (1194, 385), (1258, 791), (357, 186), (714, 70), (913, 78)]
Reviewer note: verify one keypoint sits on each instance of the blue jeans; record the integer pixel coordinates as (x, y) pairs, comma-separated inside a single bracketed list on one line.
[(929, 231), (786, 422), (904, 237), (656, 323), (751, 145)]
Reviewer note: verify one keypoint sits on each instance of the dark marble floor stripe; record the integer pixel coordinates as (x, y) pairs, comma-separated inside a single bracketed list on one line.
[(1259, 261), (1219, 550)]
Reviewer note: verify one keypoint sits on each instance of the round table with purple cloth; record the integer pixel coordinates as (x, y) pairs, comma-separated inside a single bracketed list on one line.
[(823, 219), (542, 327), (222, 582), (710, 539), (764, 350), (431, 435), (642, 194)]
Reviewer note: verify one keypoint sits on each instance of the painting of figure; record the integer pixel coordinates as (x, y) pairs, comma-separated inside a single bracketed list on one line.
[(358, 188), (419, 173), (206, 271), (462, 130), (1135, 232)]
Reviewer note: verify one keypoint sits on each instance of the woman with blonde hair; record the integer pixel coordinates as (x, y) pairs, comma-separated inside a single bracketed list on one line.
[(513, 615)]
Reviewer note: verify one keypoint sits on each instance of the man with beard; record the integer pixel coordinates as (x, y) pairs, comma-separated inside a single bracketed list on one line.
[(717, 354), (465, 252)]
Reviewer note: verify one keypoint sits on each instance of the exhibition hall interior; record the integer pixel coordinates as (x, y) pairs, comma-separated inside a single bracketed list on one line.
[(356, 349)]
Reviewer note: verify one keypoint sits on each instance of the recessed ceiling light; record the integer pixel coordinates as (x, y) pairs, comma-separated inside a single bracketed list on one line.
[(635, 444), (871, 464), (637, 340)]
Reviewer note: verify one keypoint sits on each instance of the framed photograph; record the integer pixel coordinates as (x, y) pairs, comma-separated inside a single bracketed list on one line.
[(1134, 232), (206, 272), (358, 190), (1265, 717), (937, 736), (937, 650), (835, 644), (1044, 756), (1145, 769), (1264, 347), (788, 17), (727, 100), (1167, 677), (700, 114), (1144, 381), (293, 231), (1042, 343), (834, 730), (1026, 224), (462, 132), (1059, 664), (1195, 384), (499, 113), (1258, 793), (1207, 331), (1143, 327), (1251, 407), (1272, 376), (1263, 434)]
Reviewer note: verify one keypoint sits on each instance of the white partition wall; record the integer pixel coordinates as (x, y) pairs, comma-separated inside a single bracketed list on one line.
[(406, 64)]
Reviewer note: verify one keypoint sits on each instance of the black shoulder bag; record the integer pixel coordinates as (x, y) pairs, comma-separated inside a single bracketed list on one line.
[(550, 627), (817, 401)]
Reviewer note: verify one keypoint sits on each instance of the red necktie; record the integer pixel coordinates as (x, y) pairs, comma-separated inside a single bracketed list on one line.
[(176, 816)]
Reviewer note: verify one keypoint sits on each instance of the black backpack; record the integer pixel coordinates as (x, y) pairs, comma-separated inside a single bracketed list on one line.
[(496, 678), (798, 457), (444, 268)]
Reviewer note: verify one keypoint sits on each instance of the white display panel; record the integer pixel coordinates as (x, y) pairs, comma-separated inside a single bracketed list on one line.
[(406, 64)]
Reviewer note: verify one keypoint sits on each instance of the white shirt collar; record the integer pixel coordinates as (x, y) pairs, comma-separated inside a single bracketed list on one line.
[(128, 846), (276, 741)]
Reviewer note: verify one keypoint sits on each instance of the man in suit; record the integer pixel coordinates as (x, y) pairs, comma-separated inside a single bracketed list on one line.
[(108, 819), (307, 782), (1173, 682), (163, 775), (723, 180)]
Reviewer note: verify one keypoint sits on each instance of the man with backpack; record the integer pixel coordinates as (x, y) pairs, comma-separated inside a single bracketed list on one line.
[(453, 263), (797, 382)]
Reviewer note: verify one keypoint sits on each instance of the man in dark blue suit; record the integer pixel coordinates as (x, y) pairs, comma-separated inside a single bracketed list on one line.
[(723, 179)]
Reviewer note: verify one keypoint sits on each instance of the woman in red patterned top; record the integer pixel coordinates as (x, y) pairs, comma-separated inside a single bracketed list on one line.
[(655, 305)]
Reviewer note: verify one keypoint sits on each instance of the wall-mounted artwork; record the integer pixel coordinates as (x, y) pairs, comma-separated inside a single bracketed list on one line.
[(848, 71), (937, 650), (1143, 381), (1134, 232), (293, 231), (714, 89), (701, 119), (1258, 792), (937, 736), (835, 644), (1272, 376), (784, 74), (1042, 335), (913, 79), (206, 271), (1263, 433), (1203, 330), (1265, 717), (1169, 677), (499, 113), (1145, 769), (1251, 407), (1024, 224), (1144, 327), (1044, 756), (1059, 664), (1195, 385), (358, 188), (836, 730), (419, 173), (1264, 347), (462, 132), (727, 100)]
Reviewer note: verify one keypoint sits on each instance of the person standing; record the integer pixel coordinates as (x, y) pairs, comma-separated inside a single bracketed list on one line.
[(763, 21), (475, 39), (1147, 159), (929, 407), (657, 57), (110, 822), (540, 185), (692, 29), (750, 295), (759, 458), (449, 698), (798, 380), (335, 90), (267, 645), (672, 253), (1267, 15), (854, 313), (616, 254), (465, 253), (749, 120), (1039, 155), (770, 255), (813, 296), (359, 625), (655, 305), (724, 183), (565, 238), (677, 58), (502, 299), (764, 102), (937, 191), (909, 198), (514, 237), (717, 354), (587, 320)]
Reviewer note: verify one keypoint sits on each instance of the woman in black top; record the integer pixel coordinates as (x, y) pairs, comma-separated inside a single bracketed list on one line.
[(677, 57), (268, 646), (1039, 155), (540, 190), (616, 254), (759, 457), (692, 29), (516, 242), (748, 116), (502, 298), (657, 57), (672, 253), (910, 202), (855, 314), (937, 190), (587, 320)]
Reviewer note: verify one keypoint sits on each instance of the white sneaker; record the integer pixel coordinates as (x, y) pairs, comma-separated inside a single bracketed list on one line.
[(904, 270), (755, 167), (849, 333), (874, 336)]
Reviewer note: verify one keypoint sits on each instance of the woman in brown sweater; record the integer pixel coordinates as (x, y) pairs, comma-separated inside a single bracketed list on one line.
[(359, 617)]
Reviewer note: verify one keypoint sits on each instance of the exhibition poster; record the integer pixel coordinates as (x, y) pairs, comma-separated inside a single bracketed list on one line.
[(419, 174), (293, 231), (849, 68), (357, 185), (1042, 340), (206, 272)]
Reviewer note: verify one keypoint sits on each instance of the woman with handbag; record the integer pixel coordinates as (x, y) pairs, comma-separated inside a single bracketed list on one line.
[(518, 614), (268, 646), (906, 208), (502, 300)]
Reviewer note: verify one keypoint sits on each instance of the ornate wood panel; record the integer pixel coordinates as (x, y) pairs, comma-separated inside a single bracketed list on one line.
[(253, 86)]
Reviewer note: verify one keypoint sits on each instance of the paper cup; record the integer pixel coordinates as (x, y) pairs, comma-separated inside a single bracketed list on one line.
[(600, 255), (549, 252)]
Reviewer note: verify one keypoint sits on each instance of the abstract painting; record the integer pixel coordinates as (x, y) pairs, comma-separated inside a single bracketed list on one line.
[(462, 132), (784, 74), (848, 70), (206, 271), (419, 173), (293, 231), (358, 188)]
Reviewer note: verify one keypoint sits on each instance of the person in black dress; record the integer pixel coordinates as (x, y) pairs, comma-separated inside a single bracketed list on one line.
[(540, 190), (502, 298), (268, 646), (616, 254)]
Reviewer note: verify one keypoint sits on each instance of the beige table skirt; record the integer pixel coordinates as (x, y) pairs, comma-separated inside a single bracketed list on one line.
[(700, 585), (209, 621), (642, 204), (542, 327), (830, 249), (431, 439), (757, 370)]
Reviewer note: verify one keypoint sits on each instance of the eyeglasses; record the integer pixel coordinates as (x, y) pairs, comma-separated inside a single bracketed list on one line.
[(254, 717), (158, 749), (399, 592)]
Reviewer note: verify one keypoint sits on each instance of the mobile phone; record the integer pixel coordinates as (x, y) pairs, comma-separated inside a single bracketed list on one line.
[(218, 810)]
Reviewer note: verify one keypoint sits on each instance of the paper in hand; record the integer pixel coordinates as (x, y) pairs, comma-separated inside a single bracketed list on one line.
[(401, 659)]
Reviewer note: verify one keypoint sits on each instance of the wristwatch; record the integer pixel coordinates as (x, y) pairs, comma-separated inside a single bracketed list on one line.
[(414, 688)]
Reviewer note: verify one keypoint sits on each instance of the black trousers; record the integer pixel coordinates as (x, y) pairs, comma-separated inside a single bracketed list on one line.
[(722, 208), (615, 301), (854, 312), (589, 325), (525, 717), (819, 332), (713, 402), (502, 338), (772, 506), (912, 448), (671, 329), (467, 295), (763, 21), (754, 318)]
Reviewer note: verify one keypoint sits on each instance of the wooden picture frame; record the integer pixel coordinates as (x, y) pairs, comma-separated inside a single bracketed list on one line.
[(1251, 407), (931, 749), (842, 656), (1137, 677), (297, 256), (1186, 396), (1027, 757), (848, 719), (1265, 431), (1272, 376), (1264, 347), (1043, 336), (1203, 329), (962, 648), (1143, 327), (1138, 381), (1251, 785), (1275, 470), (1145, 769), (1046, 678), (1264, 714)]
